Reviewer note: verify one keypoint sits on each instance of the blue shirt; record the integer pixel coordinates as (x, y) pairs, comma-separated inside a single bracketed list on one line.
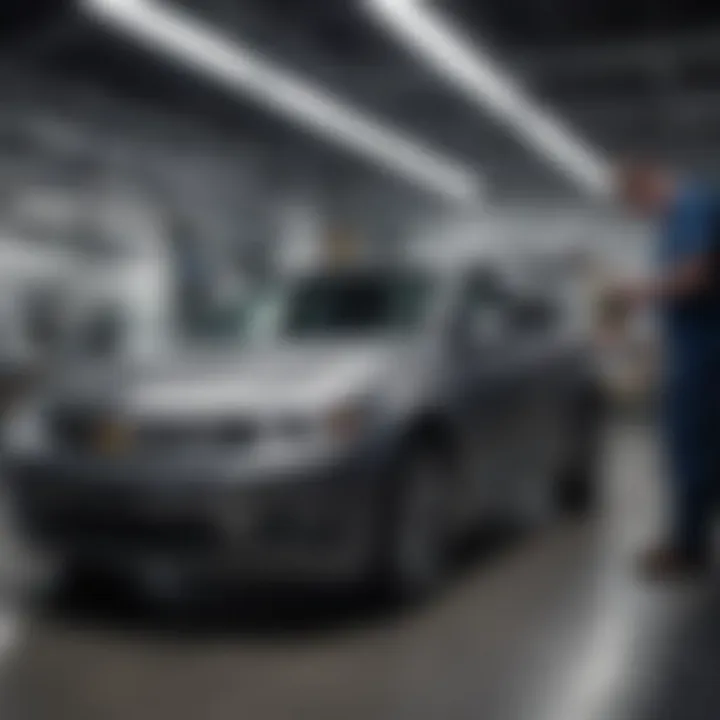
[(691, 229)]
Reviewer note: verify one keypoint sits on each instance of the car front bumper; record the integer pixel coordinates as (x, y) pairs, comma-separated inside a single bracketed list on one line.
[(202, 516)]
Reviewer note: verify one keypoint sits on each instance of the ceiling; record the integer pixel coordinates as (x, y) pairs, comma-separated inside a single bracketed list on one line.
[(628, 75)]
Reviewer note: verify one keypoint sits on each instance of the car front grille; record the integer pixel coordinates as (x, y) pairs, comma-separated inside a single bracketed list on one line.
[(168, 435), (103, 433), (121, 527), (178, 535)]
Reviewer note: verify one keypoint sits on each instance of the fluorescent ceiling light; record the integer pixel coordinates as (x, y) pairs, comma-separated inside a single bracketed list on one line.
[(432, 37), (242, 69)]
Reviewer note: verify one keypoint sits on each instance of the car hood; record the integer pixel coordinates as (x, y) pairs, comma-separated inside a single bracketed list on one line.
[(293, 376)]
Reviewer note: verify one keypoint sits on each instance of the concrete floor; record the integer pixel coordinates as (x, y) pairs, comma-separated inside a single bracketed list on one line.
[(547, 626)]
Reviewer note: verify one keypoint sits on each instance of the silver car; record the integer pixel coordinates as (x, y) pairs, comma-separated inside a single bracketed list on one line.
[(344, 425)]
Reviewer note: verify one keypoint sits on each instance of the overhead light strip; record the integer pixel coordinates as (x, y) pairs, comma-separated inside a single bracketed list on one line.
[(242, 69), (431, 36)]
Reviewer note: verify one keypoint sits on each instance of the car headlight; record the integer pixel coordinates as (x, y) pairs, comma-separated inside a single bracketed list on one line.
[(25, 431), (349, 421), (353, 419), (340, 425)]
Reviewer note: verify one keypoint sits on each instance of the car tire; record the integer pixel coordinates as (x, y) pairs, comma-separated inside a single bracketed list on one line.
[(578, 487), (80, 579), (414, 540)]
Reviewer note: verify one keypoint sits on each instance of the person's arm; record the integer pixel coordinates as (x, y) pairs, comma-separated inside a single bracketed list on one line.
[(692, 277), (693, 270)]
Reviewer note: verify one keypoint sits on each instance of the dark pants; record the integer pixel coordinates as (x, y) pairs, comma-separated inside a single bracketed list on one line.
[(692, 424)]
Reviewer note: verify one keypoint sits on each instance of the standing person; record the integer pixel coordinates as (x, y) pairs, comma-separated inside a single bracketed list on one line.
[(686, 292)]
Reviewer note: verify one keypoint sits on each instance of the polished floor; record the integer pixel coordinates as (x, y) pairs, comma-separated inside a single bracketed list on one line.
[(546, 626)]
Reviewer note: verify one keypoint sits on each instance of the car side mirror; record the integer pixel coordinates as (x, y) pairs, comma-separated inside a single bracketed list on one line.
[(530, 316)]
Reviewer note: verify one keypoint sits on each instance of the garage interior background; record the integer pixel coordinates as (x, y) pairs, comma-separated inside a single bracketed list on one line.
[(87, 113), (103, 142), (82, 105)]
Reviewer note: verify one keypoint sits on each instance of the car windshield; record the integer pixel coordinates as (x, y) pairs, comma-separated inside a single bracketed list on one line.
[(320, 306)]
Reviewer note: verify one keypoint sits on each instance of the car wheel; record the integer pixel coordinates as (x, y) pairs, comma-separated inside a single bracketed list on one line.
[(414, 544), (79, 579)]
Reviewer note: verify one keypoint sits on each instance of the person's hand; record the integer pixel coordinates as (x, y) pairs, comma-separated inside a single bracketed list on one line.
[(616, 307), (627, 298)]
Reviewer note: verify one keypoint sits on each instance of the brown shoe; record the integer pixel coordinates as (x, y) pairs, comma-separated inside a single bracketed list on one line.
[(668, 564)]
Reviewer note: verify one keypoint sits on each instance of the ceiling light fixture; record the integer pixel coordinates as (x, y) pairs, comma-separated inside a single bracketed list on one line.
[(242, 69), (431, 36)]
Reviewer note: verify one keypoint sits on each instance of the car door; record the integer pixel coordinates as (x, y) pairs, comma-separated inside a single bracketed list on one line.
[(542, 374), (487, 388)]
